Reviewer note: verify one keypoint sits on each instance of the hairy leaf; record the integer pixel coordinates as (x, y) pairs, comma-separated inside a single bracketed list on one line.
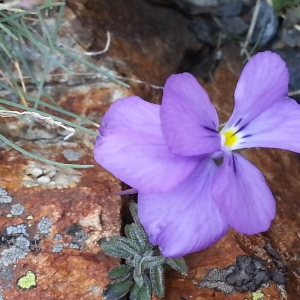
[(117, 289), (138, 235), (137, 271), (134, 212), (119, 271), (157, 281), (178, 264), (144, 293), (153, 261), (126, 244), (140, 293), (110, 249)]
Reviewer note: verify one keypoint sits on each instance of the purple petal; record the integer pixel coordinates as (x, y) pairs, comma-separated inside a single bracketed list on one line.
[(276, 127), (184, 219), (243, 195), (189, 120), (132, 147), (263, 82)]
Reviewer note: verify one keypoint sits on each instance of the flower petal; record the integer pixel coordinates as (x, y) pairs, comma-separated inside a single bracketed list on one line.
[(263, 82), (243, 195), (189, 120), (276, 127), (132, 147), (184, 219)]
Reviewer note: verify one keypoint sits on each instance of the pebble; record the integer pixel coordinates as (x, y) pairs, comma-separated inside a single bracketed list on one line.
[(35, 172), (43, 180)]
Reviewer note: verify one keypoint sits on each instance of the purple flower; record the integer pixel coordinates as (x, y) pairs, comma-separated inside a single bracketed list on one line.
[(192, 184)]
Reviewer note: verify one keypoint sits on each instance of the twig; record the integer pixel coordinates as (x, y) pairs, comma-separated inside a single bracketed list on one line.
[(97, 52), (251, 29), (294, 93), (105, 48), (49, 120), (297, 27), (22, 83)]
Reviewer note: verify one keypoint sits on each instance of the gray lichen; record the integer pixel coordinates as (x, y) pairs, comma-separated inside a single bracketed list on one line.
[(57, 248), (6, 276), (71, 155), (215, 279), (15, 238), (17, 209), (44, 225), (79, 238), (12, 254), (4, 196), (247, 274), (74, 246), (17, 230), (23, 244), (58, 237)]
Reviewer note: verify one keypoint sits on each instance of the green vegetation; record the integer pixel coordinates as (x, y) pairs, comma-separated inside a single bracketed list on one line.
[(142, 274), (281, 5), (26, 36)]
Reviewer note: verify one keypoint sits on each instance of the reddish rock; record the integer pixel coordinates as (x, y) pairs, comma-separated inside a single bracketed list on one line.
[(78, 207), (66, 209), (90, 202)]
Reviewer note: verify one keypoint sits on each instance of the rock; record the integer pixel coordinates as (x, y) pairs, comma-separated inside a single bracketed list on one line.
[(192, 7), (232, 8), (234, 25), (50, 251), (205, 30), (292, 59), (289, 32), (266, 25)]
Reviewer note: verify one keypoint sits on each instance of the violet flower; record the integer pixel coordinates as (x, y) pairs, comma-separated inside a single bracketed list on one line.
[(168, 153)]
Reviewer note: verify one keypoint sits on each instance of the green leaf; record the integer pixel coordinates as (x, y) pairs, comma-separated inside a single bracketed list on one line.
[(141, 293), (119, 271), (134, 212), (153, 261), (127, 230), (137, 270), (117, 289), (126, 244), (110, 249), (178, 264), (123, 243), (134, 291), (125, 277), (137, 237), (281, 5), (140, 237), (157, 281), (144, 292), (137, 264)]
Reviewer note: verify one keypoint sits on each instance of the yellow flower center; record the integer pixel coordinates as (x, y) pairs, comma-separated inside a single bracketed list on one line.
[(230, 137)]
